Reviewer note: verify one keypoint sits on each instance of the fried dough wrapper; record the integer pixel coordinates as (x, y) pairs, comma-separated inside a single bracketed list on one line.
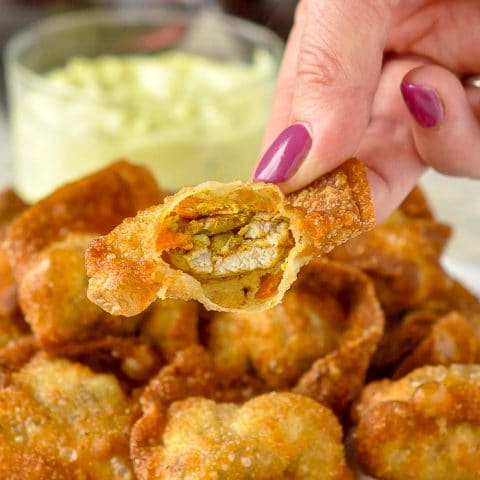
[(53, 296), (318, 341), (233, 247), (10, 207), (425, 426), (401, 256), (193, 373), (61, 421), (94, 204), (46, 246), (277, 435), (171, 326), (451, 340), (417, 329)]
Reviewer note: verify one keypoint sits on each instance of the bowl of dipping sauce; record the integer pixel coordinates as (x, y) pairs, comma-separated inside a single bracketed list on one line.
[(185, 93)]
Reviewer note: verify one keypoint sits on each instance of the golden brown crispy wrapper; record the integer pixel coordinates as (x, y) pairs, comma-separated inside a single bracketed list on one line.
[(336, 207), (422, 427), (11, 205), (94, 204), (402, 258), (318, 341), (451, 340), (46, 245), (62, 421), (199, 438), (53, 295), (337, 378), (171, 326), (233, 247)]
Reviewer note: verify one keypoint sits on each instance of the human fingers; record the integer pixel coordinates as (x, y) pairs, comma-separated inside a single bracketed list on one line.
[(444, 126), (387, 148), (335, 80)]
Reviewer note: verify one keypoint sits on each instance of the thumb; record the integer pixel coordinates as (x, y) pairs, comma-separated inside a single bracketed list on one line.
[(334, 69)]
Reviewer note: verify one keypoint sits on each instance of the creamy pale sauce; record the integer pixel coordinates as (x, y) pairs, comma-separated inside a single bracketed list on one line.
[(188, 118)]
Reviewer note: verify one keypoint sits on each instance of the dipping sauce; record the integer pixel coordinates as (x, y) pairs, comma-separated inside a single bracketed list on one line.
[(188, 118)]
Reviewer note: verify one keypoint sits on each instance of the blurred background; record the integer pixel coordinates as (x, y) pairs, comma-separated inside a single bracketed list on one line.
[(457, 201)]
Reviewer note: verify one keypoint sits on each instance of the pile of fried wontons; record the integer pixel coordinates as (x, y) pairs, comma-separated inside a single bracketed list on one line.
[(231, 332)]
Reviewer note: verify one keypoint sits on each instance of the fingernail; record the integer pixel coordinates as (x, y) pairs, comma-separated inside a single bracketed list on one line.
[(423, 103), (285, 155)]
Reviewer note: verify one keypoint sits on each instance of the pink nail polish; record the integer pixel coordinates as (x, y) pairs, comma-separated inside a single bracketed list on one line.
[(285, 155), (423, 103)]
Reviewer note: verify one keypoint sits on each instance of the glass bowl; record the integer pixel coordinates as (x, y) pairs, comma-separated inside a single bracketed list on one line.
[(199, 125)]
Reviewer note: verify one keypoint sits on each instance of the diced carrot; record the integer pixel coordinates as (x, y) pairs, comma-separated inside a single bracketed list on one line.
[(167, 239), (188, 208), (268, 285)]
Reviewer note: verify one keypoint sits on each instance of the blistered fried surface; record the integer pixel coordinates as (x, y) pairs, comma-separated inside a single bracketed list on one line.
[(94, 204), (53, 297), (171, 325), (11, 205), (401, 255), (278, 435), (60, 421), (233, 247), (337, 378), (452, 339), (337, 206), (424, 426), (279, 344)]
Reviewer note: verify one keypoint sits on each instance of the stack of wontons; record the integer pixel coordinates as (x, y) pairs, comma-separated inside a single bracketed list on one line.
[(232, 332)]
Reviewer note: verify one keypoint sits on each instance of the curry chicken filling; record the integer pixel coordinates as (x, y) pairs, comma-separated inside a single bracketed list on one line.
[(232, 246)]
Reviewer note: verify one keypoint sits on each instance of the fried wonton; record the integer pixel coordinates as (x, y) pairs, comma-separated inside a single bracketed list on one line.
[(318, 341), (425, 426), (94, 204), (46, 245), (451, 340), (171, 326), (401, 256), (61, 421), (233, 247), (11, 205), (277, 435)]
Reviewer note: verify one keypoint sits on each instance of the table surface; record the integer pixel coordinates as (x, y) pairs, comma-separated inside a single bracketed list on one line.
[(455, 200)]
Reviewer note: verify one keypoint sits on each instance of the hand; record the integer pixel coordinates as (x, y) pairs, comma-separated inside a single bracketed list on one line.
[(341, 97)]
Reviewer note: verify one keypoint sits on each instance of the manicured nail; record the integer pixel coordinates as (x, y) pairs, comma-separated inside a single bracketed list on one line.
[(285, 155), (423, 103)]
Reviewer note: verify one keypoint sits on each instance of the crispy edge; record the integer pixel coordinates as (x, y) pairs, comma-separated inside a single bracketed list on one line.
[(337, 379), (11, 205), (451, 340), (94, 204), (337, 206), (393, 409)]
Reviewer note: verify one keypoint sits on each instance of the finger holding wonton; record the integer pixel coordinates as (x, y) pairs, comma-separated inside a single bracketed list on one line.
[(233, 247)]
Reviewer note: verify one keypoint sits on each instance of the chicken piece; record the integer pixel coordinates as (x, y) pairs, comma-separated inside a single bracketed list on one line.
[(425, 426), (171, 325), (60, 421), (277, 435), (233, 247), (94, 204)]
